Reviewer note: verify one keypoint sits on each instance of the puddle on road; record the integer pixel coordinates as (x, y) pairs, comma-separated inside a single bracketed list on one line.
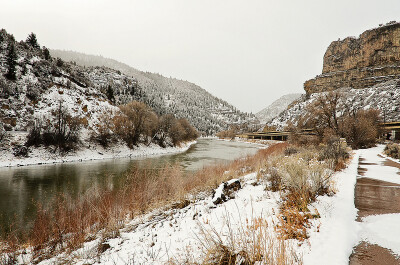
[(368, 254), (373, 197), (376, 197)]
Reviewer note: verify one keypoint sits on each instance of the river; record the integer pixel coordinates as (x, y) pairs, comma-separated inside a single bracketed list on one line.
[(21, 188)]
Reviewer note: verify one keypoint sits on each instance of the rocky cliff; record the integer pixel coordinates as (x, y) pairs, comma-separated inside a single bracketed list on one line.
[(372, 58)]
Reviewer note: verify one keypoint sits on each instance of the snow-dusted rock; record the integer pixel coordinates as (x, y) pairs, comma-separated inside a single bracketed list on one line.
[(225, 191)]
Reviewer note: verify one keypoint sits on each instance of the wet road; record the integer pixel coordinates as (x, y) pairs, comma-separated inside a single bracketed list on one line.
[(375, 196)]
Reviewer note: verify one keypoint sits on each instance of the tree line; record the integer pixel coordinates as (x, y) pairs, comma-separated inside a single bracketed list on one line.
[(329, 115), (133, 123)]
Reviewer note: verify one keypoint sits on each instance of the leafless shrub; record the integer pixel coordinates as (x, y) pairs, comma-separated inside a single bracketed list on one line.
[(334, 149), (103, 133), (20, 151), (361, 128), (328, 115), (61, 130), (291, 150), (136, 120), (182, 131), (229, 134), (162, 135), (393, 150)]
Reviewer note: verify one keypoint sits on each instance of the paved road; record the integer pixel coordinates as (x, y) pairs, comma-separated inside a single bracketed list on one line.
[(377, 197)]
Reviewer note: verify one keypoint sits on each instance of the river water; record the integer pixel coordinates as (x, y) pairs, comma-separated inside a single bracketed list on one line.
[(21, 188)]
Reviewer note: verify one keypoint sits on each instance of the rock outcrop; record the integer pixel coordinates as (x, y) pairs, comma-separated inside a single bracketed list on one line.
[(372, 58)]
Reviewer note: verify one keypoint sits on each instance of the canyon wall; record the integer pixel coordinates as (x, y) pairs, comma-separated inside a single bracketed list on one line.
[(372, 58)]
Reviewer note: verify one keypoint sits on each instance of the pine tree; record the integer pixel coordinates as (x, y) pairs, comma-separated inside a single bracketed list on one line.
[(1, 40), (11, 62), (110, 93), (24, 65), (31, 40), (46, 54)]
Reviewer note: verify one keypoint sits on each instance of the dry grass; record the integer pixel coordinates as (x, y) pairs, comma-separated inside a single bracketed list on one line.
[(300, 177), (71, 222), (251, 242), (393, 150)]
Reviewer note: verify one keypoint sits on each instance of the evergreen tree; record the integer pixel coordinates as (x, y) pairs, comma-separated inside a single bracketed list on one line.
[(59, 62), (24, 68), (46, 54), (1, 40), (11, 62), (31, 40), (110, 93)]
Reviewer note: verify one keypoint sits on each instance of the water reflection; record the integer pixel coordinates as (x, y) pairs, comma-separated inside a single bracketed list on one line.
[(22, 187)]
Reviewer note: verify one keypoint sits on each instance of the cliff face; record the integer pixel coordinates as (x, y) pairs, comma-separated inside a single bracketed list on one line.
[(361, 62)]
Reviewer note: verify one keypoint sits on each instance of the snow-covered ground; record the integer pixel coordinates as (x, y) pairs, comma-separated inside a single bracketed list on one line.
[(375, 169), (176, 234), (179, 234), (338, 229), (42, 155)]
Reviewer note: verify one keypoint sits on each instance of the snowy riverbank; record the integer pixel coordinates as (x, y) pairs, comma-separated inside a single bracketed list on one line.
[(41, 155), (177, 235)]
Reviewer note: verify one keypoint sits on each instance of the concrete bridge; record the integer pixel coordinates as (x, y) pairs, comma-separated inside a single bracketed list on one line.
[(391, 131), (273, 135)]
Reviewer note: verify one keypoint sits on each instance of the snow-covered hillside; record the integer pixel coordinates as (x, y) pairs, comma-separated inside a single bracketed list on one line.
[(207, 113), (383, 96), (41, 84), (276, 107)]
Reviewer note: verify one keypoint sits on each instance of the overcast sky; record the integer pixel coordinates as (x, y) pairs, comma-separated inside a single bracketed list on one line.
[(248, 52)]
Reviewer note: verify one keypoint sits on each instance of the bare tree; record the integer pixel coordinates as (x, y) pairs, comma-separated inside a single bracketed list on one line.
[(137, 120), (322, 114)]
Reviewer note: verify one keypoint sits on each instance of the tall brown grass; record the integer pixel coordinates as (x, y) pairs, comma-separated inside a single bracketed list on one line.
[(68, 223), (248, 242), (301, 174)]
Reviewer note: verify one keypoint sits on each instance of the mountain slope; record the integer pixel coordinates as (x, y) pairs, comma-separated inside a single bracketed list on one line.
[(383, 96), (42, 83), (276, 107), (207, 113)]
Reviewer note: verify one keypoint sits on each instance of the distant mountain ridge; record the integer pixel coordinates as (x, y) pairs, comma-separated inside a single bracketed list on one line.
[(206, 112), (276, 107)]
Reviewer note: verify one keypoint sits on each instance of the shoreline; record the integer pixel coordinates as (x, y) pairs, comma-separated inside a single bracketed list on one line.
[(42, 156), (262, 144)]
